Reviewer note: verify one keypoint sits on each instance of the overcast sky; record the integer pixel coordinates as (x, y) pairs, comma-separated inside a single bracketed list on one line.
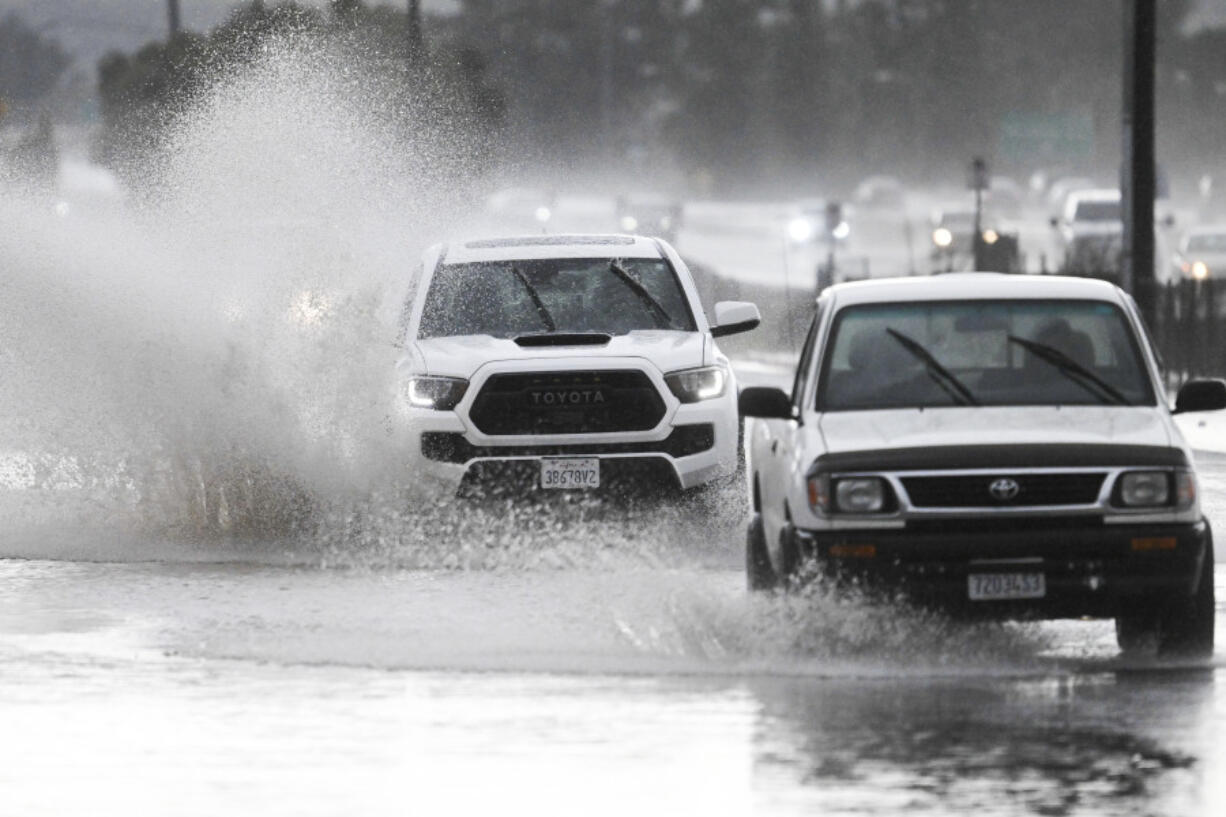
[(90, 28)]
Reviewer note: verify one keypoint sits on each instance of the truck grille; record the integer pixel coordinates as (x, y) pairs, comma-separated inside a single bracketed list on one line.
[(449, 446), (975, 491), (595, 402)]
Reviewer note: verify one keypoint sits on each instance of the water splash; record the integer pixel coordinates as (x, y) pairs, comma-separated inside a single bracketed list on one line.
[(215, 358)]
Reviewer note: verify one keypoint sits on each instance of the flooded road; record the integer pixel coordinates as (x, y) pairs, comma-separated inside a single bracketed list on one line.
[(258, 682)]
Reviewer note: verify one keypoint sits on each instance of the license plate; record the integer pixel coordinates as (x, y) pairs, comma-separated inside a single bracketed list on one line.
[(571, 473), (999, 586)]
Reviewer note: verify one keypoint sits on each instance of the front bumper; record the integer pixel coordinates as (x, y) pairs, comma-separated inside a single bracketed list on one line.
[(1090, 569), (698, 444)]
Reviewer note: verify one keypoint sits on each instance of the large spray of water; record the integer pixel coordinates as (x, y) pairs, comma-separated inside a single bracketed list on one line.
[(214, 355)]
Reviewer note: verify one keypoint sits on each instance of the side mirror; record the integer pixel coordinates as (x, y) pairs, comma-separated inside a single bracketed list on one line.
[(766, 402), (1201, 395), (732, 317)]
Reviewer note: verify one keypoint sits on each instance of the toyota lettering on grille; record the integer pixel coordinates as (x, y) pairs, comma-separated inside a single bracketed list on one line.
[(564, 398), (1004, 489)]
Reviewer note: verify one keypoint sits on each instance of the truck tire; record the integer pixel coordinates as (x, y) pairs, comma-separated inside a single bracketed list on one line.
[(1180, 626), (1186, 623), (759, 573)]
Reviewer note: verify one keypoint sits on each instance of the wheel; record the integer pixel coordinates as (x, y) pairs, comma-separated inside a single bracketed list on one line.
[(1181, 626), (1136, 631), (724, 501), (1186, 624), (759, 573)]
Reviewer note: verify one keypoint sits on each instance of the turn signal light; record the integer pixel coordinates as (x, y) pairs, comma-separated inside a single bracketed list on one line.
[(1153, 543), (853, 551)]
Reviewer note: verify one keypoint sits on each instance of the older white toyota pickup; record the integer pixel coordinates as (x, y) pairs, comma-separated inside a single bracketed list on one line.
[(998, 445)]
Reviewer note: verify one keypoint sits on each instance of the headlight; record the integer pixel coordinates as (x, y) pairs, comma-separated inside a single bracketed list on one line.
[(942, 237), (859, 495), (693, 385), (438, 393), (1144, 489), (1200, 270), (629, 224), (855, 495), (990, 236)]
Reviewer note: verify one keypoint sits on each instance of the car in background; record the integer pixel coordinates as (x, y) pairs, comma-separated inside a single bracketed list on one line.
[(1091, 231), (952, 236), (566, 363), (817, 221), (649, 214), (999, 446), (1062, 188), (1201, 254), (521, 208)]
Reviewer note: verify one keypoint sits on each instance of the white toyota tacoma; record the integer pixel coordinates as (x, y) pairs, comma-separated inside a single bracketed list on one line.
[(572, 362), (997, 445)]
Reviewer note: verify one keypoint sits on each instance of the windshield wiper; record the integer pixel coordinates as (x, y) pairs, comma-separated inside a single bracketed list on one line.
[(546, 318), (662, 318), (1073, 370), (943, 377)]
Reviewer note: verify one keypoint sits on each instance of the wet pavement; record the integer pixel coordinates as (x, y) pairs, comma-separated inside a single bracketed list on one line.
[(257, 683)]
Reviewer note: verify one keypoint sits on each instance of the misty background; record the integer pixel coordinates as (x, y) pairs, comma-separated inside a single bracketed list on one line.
[(702, 98)]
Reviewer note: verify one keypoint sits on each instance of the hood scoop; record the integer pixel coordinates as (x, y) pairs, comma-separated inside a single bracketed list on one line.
[(565, 339)]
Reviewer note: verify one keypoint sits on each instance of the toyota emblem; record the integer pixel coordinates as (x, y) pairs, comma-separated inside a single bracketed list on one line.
[(1004, 489)]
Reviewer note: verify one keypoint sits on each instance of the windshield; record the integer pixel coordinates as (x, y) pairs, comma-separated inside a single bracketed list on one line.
[(1207, 242), (508, 299), (989, 353), (1097, 211)]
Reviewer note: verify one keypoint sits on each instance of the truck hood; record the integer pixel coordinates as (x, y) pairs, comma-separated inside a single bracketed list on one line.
[(913, 428), (462, 356)]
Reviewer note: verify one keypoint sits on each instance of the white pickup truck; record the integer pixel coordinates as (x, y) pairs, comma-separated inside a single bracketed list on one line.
[(996, 445), (566, 363)]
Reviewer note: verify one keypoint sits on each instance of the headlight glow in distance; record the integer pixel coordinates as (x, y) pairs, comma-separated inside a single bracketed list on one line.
[(942, 237), (800, 230)]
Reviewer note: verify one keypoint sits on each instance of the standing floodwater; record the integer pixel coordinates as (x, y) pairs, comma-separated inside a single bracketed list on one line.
[(220, 592)]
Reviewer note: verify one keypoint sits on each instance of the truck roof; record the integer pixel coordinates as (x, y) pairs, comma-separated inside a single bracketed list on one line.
[(971, 286), (534, 247)]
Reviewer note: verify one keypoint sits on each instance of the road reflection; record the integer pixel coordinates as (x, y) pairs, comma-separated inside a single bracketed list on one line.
[(1099, 743)]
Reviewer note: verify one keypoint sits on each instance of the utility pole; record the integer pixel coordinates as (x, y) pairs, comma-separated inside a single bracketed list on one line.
[(173, 17), (417, 47), (1138, 183)]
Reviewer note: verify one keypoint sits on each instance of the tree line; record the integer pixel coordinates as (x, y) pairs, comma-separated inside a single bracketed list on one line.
[(723, 95)]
